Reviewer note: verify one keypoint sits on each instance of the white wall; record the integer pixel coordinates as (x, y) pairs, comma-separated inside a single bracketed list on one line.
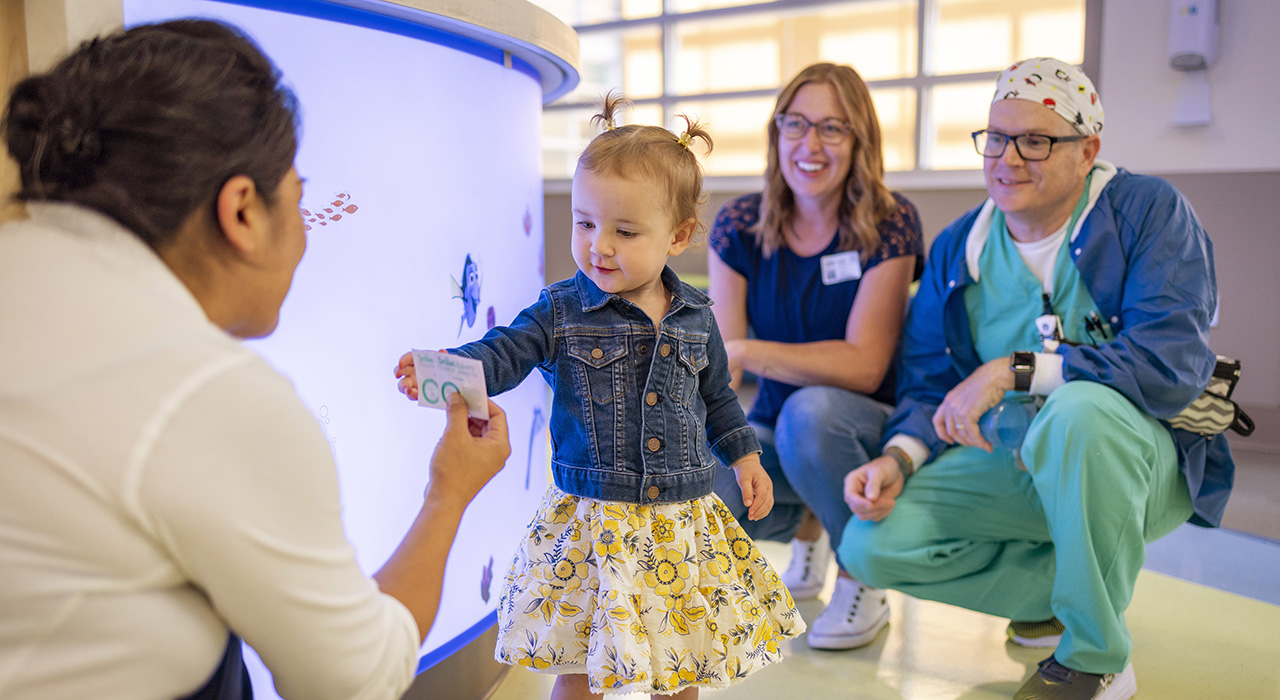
[(1139, 91)]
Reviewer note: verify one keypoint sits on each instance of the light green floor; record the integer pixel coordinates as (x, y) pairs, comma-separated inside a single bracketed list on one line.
[(1190, 643)]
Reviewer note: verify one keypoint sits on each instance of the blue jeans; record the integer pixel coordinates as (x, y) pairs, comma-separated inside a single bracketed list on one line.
[(822, 434)]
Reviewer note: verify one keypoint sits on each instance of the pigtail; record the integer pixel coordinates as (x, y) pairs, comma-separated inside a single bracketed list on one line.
[(694, 129), (611, 104)]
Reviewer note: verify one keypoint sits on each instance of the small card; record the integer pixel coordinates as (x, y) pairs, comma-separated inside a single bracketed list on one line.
[(441, 374), (841, 267)]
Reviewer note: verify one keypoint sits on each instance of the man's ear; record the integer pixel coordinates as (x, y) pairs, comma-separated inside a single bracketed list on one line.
[(683, 236), (241, 213), (1089, 149)]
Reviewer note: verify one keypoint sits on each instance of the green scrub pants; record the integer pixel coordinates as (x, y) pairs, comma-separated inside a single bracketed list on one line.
[(1065, 538)]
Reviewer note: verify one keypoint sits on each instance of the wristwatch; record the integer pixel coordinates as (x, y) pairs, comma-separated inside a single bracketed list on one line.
[(1023, 365)]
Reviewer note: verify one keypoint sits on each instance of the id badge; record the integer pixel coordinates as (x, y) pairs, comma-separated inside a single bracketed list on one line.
[(841, 267)]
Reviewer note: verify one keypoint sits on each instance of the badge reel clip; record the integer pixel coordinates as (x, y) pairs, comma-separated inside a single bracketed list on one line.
[(1049, 326)]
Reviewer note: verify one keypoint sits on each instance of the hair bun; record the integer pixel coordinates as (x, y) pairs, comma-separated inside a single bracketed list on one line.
[(27, 112), (41, 132)]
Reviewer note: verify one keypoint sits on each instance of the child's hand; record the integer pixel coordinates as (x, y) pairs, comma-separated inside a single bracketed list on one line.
[(757, 487), (408, 376)]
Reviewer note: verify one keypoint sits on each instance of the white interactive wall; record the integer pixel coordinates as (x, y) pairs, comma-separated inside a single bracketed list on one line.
[(423, 195)]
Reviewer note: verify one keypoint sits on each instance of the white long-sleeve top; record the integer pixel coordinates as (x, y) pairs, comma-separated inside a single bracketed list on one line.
[(159, 485)]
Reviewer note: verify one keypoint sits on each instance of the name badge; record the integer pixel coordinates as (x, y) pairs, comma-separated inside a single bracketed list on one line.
[(841, 267)]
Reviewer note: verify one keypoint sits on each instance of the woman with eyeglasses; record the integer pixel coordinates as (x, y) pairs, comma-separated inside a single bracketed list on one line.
[(810, 281)]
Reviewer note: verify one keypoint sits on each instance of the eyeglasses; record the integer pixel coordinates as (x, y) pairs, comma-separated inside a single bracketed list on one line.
[(830, 130), (992, 144)]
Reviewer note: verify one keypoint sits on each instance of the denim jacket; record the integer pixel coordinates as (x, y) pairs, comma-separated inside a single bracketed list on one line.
[(636, 416)]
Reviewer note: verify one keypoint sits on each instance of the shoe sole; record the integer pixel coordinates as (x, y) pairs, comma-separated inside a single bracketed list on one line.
[(855, 641), (1035, 642), (1123, 687), (806, 593)]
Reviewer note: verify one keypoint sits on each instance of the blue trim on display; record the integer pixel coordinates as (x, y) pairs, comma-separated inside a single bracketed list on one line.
[(320, 9), (447, 649)]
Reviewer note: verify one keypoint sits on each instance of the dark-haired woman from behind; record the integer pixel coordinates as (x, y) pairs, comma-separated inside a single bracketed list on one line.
[(164, 491), (817, 267)]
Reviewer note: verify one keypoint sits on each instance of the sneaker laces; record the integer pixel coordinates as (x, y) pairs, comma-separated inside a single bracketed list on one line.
[(845, 598), (1053, 672)]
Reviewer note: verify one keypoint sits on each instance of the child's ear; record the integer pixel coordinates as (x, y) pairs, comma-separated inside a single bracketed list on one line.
[(682, 236)]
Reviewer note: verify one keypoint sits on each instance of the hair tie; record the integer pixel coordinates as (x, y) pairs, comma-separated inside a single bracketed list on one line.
[(684, 139), (80, 146), (609, 125)]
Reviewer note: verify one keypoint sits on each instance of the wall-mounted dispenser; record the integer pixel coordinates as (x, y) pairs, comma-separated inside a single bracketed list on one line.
[(1194, 28)]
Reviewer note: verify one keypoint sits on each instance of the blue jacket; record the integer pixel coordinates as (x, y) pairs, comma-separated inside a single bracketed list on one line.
[(632, 410), (1148, 264)]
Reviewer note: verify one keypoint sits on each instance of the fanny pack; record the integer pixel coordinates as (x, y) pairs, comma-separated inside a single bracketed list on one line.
[(1213, 412)]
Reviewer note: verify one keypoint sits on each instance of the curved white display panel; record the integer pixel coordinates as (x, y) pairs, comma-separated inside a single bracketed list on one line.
[(423, 195)]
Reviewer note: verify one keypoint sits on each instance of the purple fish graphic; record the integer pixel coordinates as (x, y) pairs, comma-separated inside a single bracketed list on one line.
[(538, 425), (486, 578), (468, 291)]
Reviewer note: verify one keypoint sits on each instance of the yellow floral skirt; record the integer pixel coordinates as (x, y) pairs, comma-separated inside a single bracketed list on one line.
[(642, 598)]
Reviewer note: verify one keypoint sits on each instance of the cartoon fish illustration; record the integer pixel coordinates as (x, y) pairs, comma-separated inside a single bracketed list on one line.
[(490, 318), (535, 428), (486, 578), (468, 291), (527, 221)]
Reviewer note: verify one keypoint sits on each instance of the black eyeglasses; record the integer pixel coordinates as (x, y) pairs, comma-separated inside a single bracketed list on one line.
[(830, 130), (992, 144)]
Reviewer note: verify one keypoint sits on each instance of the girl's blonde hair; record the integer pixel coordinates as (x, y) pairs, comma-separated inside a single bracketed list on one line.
[(866, 201), (651, 153)]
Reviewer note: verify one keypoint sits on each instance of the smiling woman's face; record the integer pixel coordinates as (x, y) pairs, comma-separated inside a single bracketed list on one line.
[(815, 171)]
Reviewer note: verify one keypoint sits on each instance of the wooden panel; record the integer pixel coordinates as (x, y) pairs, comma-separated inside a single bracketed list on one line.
[(13, 67)]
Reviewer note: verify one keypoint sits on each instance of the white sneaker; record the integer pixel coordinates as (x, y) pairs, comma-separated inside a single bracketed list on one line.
[(807, 573), (852, 619)]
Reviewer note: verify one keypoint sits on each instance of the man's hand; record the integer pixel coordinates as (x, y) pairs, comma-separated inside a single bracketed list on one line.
[(872, 490), (757, 487), (956, 420), (468, 455)]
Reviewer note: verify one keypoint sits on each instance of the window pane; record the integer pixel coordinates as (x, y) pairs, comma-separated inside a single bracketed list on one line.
[(726, 54), (695, 5), (958, 111), (565, 132), (576, 13), (739, 129), (896, 110), (630, 61), (878, 39), (988, 35)]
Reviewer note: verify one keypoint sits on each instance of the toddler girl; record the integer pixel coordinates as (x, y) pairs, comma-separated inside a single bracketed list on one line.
[(634, 576)]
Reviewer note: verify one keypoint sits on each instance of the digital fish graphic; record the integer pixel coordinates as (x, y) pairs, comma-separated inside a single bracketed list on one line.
[(328, 213), (468, 291), (538, 424), (486, 578)]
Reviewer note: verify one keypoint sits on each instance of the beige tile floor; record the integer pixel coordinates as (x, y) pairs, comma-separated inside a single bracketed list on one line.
[(1191, 642)]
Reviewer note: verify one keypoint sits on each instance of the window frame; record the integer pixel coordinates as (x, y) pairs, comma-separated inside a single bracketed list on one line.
[(921, 82)]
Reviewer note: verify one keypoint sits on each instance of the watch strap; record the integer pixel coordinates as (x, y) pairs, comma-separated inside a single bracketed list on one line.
[(1023, 365)]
